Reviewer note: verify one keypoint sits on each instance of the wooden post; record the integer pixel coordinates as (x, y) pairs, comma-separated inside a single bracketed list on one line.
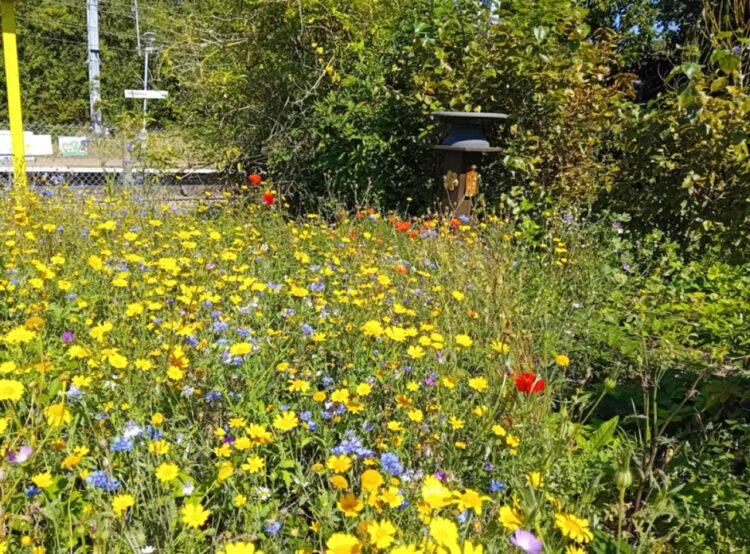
[(10, 55)]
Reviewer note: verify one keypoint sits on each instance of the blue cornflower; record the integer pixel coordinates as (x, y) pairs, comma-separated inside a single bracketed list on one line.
[(121, 444), (497, 486), (273, 528), (101, 480), (391, 464)]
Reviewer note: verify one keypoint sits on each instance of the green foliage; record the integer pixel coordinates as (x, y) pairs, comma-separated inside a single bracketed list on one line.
[(53, 56)]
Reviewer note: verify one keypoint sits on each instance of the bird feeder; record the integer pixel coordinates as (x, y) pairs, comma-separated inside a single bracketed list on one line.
[(463, 149)]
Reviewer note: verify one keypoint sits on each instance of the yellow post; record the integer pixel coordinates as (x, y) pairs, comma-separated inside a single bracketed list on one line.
[(10, 54)]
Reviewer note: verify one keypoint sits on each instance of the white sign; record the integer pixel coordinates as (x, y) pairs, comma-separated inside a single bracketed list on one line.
[(34, 145), (72, 146), (146, 94)]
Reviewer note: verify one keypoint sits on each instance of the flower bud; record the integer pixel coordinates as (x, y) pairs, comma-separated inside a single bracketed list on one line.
[(623, 479)]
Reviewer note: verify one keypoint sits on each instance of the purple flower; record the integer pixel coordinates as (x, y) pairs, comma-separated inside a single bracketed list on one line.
[(526, 541), (67, 336), (19, 457)]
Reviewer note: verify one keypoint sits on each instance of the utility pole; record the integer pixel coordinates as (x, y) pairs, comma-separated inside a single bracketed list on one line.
[(13, 84), (95, 98), (148, 38), (137, 27)]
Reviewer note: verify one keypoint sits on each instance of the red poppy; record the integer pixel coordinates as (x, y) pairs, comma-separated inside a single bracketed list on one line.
[(254, 179), (403, 226), (454, 222), (268, 199), (529, 383)]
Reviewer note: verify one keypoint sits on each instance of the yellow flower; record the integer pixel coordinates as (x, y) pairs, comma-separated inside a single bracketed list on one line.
[(19, 335), (194, 515), (464, 340), (509, 518), (573, 527), (562, 360), (534, 478), (470, 499), (286, 421), (364, 389), (392, 497), (342, 543), (167, 472), (574, 549), (254, 464), (160, 447), (416, 415), (381, 534), (444, 532), (499, 430), (10, 389), (415, 352), (372, 328), (350, 505), (241, 547), (435, 494), (407, 549), (239, 500), (500, 347), (226, 469), (479, 384), (371, 480), (43, 480), (122, 502), (57, 415), (339, 464), (240, 349), (339, 482)]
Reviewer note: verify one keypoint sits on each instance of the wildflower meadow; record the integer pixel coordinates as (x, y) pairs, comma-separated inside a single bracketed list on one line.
[(227, 378)]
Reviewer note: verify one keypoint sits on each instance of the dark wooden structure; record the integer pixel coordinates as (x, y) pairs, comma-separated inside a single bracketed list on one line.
[(463, 149)]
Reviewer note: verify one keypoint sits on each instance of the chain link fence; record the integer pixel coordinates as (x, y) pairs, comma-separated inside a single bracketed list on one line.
[(73, 155)]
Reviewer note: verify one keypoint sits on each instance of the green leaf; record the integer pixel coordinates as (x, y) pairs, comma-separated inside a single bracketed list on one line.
[(691, 69)]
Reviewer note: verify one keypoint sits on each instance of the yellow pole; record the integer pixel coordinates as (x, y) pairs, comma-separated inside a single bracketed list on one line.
[(10, 54)]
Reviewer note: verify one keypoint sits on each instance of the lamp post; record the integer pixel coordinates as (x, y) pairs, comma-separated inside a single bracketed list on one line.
[(463, 149), (12, 80)]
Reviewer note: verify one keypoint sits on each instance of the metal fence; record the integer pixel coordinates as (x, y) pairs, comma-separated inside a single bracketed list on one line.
[(73, 155)]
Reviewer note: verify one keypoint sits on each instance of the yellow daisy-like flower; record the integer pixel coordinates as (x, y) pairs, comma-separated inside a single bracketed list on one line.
[(10, 389), (121, 503), (464, 340), (435, 494), (444, 532), (286, 421), (343, 543), (509, 518), (371, 480), (167, 472), (381, 534), (194, 515), (562, 360), (339, 464), (350, 505), (240, 547), (574, 549), (43, 480), (254, 464), (57, 415), (574, 527), (479, 384), (470, 500)]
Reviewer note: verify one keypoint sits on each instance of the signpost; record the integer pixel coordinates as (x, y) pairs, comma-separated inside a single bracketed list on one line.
[(146, 94), (10, 55)]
